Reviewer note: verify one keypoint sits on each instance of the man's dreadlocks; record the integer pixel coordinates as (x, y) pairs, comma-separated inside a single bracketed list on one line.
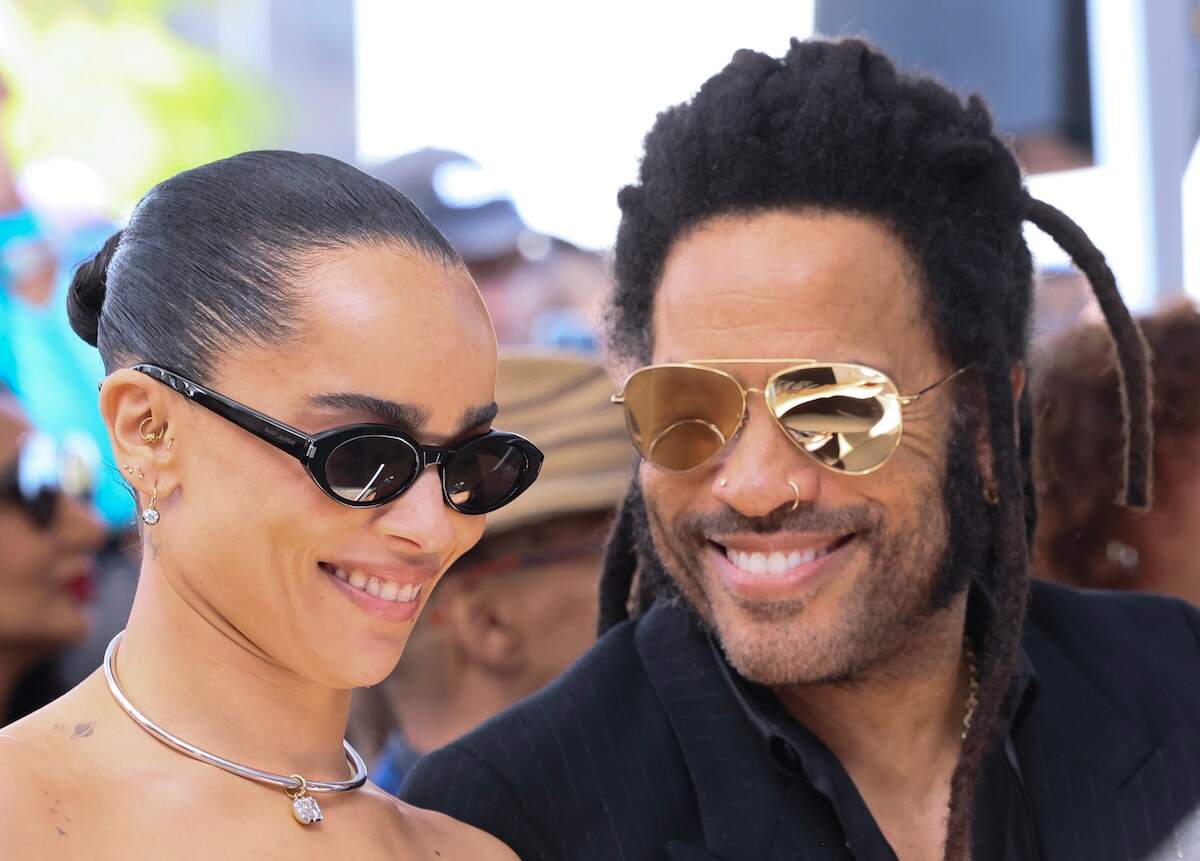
[(833, 127)]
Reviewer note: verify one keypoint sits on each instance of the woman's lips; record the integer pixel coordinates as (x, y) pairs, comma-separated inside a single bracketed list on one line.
[(82, 586), (383, 597)]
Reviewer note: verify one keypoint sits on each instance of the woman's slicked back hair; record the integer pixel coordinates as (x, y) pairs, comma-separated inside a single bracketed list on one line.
[(210, 257)]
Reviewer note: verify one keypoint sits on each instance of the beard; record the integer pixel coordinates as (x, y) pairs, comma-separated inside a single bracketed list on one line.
[(918, 562)]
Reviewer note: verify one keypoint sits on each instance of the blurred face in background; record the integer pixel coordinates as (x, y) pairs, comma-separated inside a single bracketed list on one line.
[(28, 268), (545, 299), (49, 542), (515, 612), (1167, 535), (510, 286), (511, 616), (250, 542), (540, 585), (1083, 537)]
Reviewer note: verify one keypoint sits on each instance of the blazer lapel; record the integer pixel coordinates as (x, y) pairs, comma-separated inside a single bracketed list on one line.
[(747, 804), (1099, 785)]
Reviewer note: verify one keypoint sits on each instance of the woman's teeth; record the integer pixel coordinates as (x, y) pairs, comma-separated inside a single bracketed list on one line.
[(386, 590), (777, 562)]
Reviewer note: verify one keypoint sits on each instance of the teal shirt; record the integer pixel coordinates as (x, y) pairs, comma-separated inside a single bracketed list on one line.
[(55, 375)]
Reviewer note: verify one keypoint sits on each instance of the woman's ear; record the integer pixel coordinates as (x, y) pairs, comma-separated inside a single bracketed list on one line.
[(142, 416)]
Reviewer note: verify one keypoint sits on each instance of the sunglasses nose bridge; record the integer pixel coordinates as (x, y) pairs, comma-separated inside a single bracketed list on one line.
[(755, 391), (438, 458)]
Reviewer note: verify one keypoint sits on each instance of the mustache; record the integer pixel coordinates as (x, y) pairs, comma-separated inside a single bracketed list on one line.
[(727, 521)]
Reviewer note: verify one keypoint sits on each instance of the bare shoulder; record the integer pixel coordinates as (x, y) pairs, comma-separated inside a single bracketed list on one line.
[(36, 792), (438, 835), (35, 748), (47, 760)]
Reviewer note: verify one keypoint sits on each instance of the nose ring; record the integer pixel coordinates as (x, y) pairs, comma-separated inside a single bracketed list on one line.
[(796, 490)]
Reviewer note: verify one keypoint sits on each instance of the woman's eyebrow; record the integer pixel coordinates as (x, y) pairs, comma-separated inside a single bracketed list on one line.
[(407, 417), (474, 417)]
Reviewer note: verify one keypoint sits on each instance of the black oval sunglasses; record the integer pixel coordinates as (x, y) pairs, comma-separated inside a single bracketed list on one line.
[(368, 465)]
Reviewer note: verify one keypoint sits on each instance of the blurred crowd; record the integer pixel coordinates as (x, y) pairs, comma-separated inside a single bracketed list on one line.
[(521, 606)]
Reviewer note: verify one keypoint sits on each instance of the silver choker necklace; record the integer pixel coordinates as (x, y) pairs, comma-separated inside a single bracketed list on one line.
[(295, 786)]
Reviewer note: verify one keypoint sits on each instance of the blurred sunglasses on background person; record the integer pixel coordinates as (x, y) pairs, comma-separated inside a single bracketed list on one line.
[(847, 417), (368, 465), (45, 471)]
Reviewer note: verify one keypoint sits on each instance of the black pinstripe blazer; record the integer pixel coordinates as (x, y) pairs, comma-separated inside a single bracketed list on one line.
[(640, 751)]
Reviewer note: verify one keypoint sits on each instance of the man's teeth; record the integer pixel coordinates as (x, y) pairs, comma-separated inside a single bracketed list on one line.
[(777, 562), (387, 590)]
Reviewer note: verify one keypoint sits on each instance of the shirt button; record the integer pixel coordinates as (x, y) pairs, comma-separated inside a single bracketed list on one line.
[(783, 752)]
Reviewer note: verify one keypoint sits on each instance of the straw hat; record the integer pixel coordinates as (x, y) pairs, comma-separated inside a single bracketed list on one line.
[(560, 401)]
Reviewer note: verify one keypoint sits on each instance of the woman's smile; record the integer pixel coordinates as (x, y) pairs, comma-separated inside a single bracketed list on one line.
[(390, 593)]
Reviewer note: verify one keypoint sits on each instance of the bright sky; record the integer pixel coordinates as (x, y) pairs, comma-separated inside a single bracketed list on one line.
[(562, 104), (567, 92)]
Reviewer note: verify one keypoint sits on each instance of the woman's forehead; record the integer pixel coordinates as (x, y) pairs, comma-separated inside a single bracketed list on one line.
[(391, 299), (377, 324)]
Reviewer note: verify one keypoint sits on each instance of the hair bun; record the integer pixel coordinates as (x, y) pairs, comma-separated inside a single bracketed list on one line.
[(85, 298)]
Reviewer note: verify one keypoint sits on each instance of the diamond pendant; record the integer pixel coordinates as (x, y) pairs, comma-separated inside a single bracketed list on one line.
[(306, 810), (304, 806)]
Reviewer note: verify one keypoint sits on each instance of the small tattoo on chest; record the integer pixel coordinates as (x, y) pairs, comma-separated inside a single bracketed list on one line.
[(83, 730)]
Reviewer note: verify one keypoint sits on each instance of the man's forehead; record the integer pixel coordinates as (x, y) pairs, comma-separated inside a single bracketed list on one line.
[(777, 276)]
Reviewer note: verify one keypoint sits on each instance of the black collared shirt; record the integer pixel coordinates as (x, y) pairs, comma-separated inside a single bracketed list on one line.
[(1003, 821)]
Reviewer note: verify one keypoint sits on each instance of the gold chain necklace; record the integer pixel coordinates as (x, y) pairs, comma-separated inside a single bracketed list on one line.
[(972, 685)]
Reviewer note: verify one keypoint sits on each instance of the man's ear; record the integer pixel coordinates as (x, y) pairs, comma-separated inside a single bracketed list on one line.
[(983, 440), (481, 625), (144, 420)]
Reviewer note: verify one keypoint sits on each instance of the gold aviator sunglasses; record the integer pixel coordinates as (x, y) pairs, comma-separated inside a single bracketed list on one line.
[(847, 417)]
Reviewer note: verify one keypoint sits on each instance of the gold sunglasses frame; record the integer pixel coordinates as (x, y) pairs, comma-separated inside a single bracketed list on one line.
[(791, 365)]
